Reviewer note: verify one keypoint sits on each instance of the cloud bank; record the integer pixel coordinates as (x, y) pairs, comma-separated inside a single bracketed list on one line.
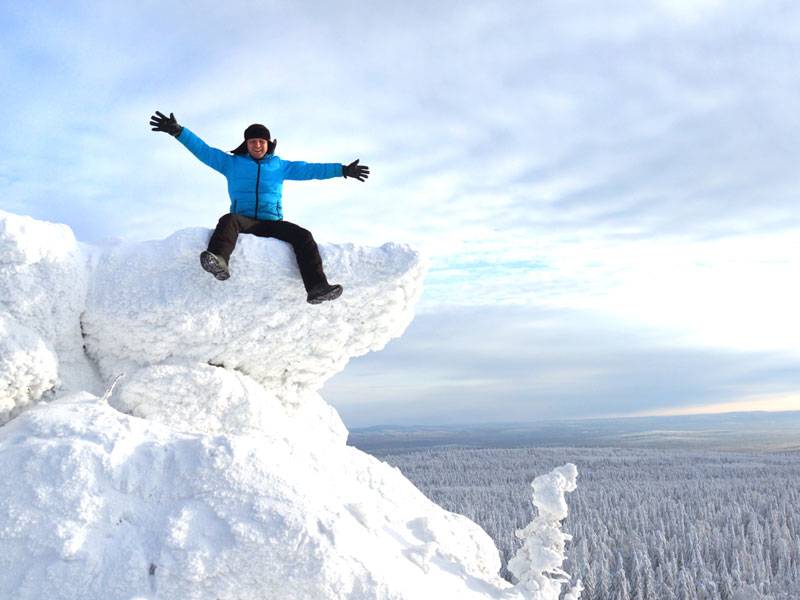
[(635, 162)]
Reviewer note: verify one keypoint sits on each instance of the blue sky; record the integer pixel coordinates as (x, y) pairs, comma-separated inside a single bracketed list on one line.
[(607, 191)]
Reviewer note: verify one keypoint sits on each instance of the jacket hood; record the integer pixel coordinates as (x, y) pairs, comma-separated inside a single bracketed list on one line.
[(241, 149)]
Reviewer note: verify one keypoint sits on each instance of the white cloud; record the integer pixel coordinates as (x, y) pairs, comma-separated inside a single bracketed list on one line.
[(513, 363), (613, 156), (691, 11)]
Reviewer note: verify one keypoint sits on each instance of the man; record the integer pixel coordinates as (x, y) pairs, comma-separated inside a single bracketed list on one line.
[(255, 185)]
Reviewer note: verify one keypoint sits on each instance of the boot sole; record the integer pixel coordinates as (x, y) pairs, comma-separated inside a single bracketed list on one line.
[(331, 294), (210, 263)]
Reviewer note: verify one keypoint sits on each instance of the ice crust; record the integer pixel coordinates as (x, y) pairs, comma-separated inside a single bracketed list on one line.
[(162, 436)]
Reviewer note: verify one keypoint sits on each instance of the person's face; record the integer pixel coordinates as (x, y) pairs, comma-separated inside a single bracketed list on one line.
[(257, 147)]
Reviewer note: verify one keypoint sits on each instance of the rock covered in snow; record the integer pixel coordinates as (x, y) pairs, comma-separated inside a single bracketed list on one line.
[(43, 281), (202, 398), (99, 505), (76, 317), (211, 467), (151, 302), (28, 367)]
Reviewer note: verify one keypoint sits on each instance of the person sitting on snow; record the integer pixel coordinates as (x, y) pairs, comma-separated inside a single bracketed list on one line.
[(255, 184)]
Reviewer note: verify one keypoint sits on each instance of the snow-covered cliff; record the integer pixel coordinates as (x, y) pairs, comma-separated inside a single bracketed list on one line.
[(162, 435)]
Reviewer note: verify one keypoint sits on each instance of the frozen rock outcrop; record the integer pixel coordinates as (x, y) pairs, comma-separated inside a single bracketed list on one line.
[(161, 434), (43, 281), (99, 505), (150, 302), (135, 307), (28, 367)]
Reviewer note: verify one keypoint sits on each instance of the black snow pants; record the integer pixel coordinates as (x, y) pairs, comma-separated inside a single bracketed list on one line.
[(223, 241)]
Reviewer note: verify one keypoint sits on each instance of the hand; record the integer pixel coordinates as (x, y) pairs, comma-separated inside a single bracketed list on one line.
[(168, 125), (355, 170)]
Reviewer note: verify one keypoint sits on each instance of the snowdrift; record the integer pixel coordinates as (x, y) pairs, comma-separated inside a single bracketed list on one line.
[(162, 437)]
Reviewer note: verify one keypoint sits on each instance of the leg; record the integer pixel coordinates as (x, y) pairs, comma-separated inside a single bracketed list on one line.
[(223, 240), (221, 245), (305, 248)]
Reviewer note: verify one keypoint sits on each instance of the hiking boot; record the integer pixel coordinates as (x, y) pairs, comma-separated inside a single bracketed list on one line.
[(323, 292), (216, 265)]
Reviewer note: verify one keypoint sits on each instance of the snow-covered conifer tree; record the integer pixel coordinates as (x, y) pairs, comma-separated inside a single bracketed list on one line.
[(537, 564)]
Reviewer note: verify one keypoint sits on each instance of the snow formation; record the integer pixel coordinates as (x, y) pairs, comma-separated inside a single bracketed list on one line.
[(43, 282), (162, 437), (537, 564)]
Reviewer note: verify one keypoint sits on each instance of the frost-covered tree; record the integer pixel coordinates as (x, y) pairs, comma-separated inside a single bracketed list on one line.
[(729, 521), (620, 589), (537, 565)]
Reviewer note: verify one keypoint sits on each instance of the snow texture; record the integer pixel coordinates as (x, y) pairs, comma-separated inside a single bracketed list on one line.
[(161, 434), (43, 281), (150, 302), (28, 368), (100, 504)]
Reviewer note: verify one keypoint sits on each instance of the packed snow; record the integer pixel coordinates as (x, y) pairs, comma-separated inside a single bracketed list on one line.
[(162, 435)]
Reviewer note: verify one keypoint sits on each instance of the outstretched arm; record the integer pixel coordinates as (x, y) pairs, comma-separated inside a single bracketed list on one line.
[(213, 157), (304, 170), (355, 170)]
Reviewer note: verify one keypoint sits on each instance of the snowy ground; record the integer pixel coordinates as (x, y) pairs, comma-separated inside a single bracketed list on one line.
[(162, 436)]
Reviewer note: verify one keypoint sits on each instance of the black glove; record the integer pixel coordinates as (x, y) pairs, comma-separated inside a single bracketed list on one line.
[(355, 170), (167, 124)]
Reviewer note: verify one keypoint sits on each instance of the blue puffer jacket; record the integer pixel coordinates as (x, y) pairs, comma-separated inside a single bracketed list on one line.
[(256, 187)]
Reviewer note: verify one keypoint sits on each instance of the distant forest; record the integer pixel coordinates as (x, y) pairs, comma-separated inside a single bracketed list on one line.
[(647, 524)]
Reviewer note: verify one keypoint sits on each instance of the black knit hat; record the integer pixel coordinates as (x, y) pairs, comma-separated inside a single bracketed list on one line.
[(255, 131)]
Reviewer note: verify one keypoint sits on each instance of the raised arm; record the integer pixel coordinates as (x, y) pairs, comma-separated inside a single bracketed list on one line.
[(213, 157)]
